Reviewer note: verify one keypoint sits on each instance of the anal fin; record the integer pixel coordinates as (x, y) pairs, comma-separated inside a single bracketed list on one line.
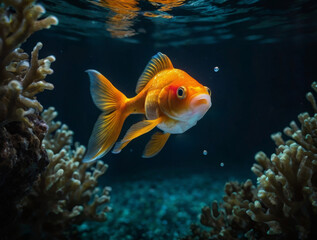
[(155, 145)]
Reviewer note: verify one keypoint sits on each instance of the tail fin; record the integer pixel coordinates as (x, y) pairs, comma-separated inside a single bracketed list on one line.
[(108, 126)]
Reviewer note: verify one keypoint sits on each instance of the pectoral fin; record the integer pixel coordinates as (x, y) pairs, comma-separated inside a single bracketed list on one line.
[(135, 131), (155, 145)]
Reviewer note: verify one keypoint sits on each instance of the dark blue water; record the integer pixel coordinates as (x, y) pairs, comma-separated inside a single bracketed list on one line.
[(258, 90), (266, 53)]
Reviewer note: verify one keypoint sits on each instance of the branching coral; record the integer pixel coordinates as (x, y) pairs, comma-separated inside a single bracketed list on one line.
[(67, 191), (288, 181), (229, 220), (21, 79), (21, 129), (283, 205)]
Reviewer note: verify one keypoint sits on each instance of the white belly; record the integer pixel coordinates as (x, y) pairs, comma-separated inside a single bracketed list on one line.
[(176, 126)]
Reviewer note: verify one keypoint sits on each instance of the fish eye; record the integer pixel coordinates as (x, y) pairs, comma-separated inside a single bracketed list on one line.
[(181, 92), (208, 90)]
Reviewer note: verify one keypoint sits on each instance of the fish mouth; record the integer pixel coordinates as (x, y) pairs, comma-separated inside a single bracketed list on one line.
[(201, 101), (200, 104)]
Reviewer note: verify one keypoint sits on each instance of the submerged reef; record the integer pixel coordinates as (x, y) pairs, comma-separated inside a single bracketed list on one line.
[(44, 186), (283, 204), (22, 156), (66, 192)]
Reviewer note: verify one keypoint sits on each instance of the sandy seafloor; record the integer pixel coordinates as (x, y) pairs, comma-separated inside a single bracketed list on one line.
[(156, 207)]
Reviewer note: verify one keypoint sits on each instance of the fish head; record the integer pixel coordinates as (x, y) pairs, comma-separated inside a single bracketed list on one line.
[(184, 98)]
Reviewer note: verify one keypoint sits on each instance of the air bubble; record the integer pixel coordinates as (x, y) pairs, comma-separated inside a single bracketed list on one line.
[(205, 152), (216, 69)]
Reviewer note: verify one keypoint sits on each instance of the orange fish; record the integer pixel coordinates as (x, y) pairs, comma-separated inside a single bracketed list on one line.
[(170, 99)]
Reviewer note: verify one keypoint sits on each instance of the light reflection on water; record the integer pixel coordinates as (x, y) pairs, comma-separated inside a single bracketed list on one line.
[(123, 13), (186, 22)]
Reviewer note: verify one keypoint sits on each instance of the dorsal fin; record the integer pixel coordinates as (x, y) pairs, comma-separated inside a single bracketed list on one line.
[(158, 63)]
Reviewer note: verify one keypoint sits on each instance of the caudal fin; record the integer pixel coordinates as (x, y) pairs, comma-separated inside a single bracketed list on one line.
[(108, 126)]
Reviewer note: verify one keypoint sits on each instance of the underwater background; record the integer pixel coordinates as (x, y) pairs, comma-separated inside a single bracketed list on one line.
[(266, 54)]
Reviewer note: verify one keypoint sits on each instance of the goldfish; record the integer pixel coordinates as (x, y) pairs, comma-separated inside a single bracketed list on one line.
[(170, 99)]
